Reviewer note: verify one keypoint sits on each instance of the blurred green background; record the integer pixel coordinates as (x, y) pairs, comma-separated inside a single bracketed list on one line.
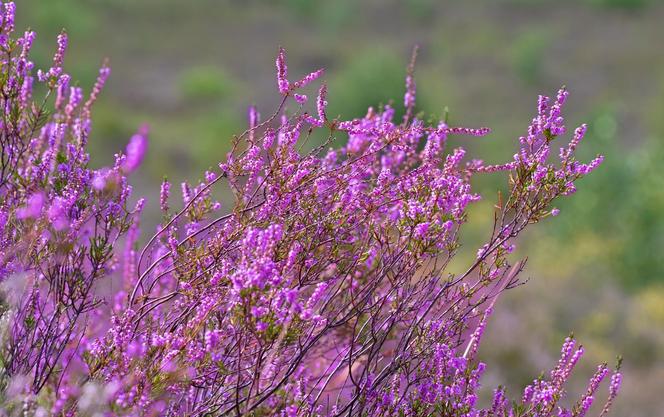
[(190, 68)]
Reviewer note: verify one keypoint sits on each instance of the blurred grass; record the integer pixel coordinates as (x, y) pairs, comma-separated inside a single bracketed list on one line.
[(527, 54), (205, 84)]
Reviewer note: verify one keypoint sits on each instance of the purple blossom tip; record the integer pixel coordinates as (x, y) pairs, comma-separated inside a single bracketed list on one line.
[(136, 149), (321, 103), (282, 72), (308, 79), (300, 98), (33, 207)]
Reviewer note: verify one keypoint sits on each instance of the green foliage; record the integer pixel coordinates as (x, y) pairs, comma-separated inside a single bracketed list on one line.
[(328, 15), (620, 4), (606, 4), (205, 83), (527, 54), (53, 15), (422, 10)]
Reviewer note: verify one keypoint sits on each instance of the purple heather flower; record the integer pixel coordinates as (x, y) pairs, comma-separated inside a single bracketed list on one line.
[(164, 194), (409, 97), (136, 150), (614, 387), (57, 214), (300, 98), (585, 405), (99, 179), (308, 79), (62, 48), (421, 230), (282, 72), (253, 116), (8, 17), (321, 103), (27, 40), (33, 207), (26, 90), (483, 131), (62, 91), (104, 72)]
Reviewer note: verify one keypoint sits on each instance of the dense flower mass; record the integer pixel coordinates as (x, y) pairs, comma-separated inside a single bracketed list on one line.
[(321, 289)]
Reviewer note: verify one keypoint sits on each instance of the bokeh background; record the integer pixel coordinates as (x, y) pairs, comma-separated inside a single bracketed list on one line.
[(190, 68)]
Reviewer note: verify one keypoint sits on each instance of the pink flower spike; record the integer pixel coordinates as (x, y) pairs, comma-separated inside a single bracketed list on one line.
[(33, 207), (104, 72), (482, 131), (300, 98), (62, 48), (9, 15), (136, 150), (321, 103), (411, 90), (282, 72), (253, 117), (313, 121), (309, 78), (164, 194)]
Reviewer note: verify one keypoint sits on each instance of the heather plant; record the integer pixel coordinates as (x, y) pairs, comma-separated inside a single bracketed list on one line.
[(321, 288)]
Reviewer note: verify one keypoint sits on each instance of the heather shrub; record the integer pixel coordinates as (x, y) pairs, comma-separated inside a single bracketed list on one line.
[(321, 287)]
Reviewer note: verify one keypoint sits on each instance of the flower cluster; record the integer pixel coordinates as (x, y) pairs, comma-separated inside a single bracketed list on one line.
[(322, 289)]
